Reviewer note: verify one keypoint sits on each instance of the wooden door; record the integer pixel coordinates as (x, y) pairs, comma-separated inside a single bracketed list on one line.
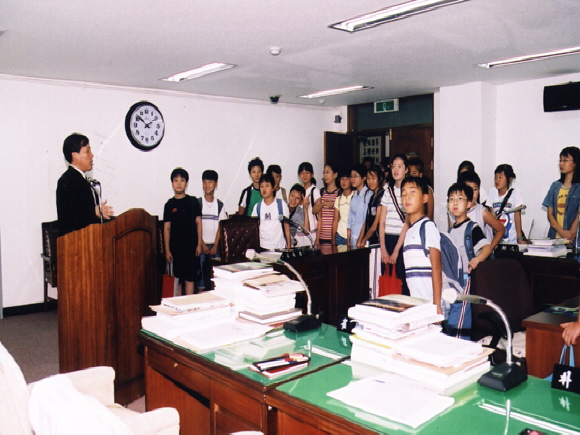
[(404, 140), (339, 149)]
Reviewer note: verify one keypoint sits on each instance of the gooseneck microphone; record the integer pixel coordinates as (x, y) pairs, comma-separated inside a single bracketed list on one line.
[(296, 225)]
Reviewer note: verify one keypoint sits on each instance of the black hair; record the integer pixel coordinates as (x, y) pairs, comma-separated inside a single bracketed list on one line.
[(307, 166), (461, 188), (368, 159), (360, 169), (334, 168), (466, 164), (573, 152), (255, 162), (274, 169), (73, 144), (420, 182), (469, 177), (416, 161), (376, 169), (210, 174), (180, 172), (403, 157), (267, 178), (298, 188), (507, 170), (343, 172)]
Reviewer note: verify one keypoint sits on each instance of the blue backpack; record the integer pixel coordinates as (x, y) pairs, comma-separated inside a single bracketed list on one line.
[(452, 267)]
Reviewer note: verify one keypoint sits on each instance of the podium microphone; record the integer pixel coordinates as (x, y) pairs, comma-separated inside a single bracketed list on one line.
[(296, 225), (504, 376)]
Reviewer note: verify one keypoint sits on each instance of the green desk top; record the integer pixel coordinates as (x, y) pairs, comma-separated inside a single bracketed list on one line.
[(324, 346), (477, 410)]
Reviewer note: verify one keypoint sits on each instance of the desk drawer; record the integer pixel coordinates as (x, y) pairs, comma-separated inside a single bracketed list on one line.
[(231, 401), (181, 373)]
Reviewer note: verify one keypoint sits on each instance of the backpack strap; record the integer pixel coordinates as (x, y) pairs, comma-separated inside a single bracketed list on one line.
[(468, 236), (422, 235), (504, 203), (258, 207), (220, 208), (248, 199), (396, 203), (280, 210)]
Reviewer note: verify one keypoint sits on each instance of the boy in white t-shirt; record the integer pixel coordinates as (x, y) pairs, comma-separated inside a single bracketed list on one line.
[(423, 272), (212, 212), (274, 234)]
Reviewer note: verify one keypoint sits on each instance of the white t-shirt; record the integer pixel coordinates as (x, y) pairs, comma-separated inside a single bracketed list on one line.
[(417, 264), (210, 219), (312, 219), (507, 219), (271, 230)]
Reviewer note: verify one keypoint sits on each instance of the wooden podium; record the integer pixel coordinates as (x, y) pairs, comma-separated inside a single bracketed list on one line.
[(106, 281)]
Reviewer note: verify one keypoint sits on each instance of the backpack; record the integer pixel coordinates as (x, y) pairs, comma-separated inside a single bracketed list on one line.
[(220, 205), (452, 267)]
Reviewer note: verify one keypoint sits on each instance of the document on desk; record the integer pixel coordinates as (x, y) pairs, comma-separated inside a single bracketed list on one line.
[(221, 334), (401, 400)]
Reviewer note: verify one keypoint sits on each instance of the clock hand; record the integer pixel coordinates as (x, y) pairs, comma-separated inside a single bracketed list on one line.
[(142, 120)]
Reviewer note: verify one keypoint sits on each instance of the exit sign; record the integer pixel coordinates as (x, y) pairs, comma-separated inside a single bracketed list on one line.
[(387, 106)]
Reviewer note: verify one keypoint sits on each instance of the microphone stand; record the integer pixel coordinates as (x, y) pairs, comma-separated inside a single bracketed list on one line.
[(509, 374)]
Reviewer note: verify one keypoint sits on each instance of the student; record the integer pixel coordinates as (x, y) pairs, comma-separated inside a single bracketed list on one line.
[(460, 200), (251, 195), (492, 228), (296, 209), (423, 272), (392, 219), (182, 231), (324, 207), (306, 174), (368, 162), (464, 166), (375, 182), (273, 233), (503, 198), (358, 203), (563, 198), (275, 171), (212, 211), (341, 208), (415, 165)]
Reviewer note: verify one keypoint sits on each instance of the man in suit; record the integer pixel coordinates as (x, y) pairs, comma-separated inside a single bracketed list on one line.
[(77, 202)]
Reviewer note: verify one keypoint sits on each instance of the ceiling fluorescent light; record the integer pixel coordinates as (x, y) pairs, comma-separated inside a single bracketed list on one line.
[(198, 72), (392, 13), (335, 91), (531, 58)]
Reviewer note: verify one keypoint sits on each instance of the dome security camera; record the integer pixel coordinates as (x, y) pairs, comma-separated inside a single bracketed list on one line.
[(274, 99)]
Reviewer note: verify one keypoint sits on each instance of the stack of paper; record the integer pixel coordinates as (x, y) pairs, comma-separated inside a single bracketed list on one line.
[(547, 248), (397, 333)]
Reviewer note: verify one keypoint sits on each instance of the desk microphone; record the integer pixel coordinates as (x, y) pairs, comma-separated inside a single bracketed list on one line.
[(296, 225), (504, 376)]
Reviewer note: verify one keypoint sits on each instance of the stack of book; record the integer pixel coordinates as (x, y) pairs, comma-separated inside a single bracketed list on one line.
[(398, 333), (180, 314), (265, 296), (547, 248)]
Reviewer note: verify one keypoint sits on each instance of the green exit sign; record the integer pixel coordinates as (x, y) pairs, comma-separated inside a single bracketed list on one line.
[(387, 106)]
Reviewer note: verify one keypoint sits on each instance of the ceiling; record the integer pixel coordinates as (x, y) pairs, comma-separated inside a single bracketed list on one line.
[(137, 42)]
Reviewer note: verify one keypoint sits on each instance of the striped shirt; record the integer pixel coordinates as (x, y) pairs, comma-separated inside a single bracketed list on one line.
[(417, 264), (393, 223), (327, 216)]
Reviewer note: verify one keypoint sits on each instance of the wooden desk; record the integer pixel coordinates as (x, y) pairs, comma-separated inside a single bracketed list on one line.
[(544, 340), (301, 409), (214, 399), (552, 280), (337, 280)]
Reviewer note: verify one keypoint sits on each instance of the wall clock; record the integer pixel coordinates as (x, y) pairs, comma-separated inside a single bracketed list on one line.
[(144, 125)]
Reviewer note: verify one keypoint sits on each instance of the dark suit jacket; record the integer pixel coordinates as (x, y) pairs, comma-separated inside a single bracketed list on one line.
[(75, 204)]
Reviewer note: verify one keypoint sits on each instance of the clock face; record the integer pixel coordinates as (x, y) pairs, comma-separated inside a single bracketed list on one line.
[(144, 125)]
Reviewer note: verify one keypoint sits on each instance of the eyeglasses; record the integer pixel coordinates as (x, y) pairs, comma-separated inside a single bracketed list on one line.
[(565, 160), (458, 200)]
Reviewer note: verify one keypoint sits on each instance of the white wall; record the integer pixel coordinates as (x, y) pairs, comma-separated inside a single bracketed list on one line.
[(491, 125), (201, 133)]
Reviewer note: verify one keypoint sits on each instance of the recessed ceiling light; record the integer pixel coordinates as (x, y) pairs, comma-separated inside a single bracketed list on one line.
[(198, 72), (335, 91), (392, 13), (531, 57)]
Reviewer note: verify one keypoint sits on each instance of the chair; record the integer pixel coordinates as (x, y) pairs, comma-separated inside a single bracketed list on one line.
[(50, 232), (65, 401), (504, 282), (239, 233)]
